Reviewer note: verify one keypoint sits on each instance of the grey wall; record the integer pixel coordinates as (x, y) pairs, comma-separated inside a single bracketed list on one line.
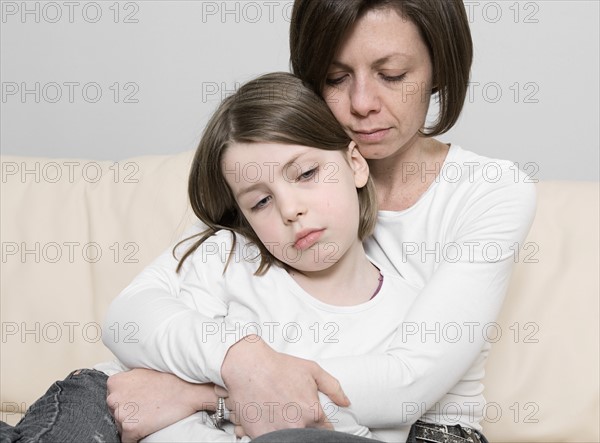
[(108, 80)]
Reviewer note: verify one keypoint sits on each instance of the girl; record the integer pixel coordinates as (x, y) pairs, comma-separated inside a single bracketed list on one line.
[(282, 256), (281, 260)]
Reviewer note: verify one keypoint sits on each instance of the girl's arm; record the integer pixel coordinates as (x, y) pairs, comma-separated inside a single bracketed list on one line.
[(181, 327)]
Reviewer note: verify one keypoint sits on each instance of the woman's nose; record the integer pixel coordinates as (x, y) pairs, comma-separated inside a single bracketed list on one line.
[(364, 98)]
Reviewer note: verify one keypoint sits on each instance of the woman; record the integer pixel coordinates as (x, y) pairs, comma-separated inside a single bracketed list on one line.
[(449, 223)]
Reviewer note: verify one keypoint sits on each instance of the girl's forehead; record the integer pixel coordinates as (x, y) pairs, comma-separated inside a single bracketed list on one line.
[(272, 150), (247, 159)]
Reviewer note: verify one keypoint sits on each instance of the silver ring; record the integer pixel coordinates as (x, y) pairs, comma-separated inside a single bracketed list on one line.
[(218, 418)]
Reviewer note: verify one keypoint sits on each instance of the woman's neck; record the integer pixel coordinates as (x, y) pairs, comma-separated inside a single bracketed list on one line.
[(400, 180), (350, 281)]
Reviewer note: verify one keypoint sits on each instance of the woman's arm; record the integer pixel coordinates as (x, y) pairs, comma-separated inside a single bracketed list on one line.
[(419, 368), (416, 369), (463, 297), (140, 411), (166, 333)]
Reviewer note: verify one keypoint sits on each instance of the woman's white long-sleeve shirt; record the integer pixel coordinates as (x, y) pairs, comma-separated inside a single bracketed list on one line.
[(457, 244)]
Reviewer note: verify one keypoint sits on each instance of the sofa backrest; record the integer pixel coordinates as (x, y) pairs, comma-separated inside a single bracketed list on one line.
[(74, 233)]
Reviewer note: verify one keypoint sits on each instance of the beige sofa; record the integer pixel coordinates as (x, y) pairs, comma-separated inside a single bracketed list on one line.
[(75, 232)]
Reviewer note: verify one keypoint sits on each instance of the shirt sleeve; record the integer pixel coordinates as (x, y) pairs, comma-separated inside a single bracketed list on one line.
[(171, 319), (421, 366)]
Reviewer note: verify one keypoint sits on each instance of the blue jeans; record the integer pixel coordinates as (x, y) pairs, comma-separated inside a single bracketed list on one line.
[(72, 410), (310, 435), (454, 434)]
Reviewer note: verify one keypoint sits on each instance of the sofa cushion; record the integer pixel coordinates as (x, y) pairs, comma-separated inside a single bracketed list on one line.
[(74, 234)]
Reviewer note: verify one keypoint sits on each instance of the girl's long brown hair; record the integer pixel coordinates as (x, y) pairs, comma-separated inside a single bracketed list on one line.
[(276, 108)]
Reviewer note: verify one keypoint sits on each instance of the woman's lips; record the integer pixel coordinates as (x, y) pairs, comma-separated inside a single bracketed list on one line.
[(306, 239), (371, 136)]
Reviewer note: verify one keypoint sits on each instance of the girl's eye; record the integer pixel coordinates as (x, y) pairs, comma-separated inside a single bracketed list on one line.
[(393, 78), (261, 204), (308, 174)]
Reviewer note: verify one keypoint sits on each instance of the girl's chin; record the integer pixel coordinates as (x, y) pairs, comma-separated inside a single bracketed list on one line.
[(310, 267)]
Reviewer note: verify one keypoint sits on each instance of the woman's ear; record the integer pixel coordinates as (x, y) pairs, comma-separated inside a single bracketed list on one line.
[(359, 165)]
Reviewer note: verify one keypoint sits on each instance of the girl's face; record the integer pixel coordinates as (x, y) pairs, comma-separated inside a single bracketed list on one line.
[(379, 83), (301, 202)]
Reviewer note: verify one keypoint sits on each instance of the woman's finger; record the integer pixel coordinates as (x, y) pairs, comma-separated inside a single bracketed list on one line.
[(221, 392), (239, 431), (230, 412)]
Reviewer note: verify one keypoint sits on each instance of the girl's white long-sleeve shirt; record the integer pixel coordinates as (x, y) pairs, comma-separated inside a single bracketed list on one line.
[(219, 281), (457, 244)]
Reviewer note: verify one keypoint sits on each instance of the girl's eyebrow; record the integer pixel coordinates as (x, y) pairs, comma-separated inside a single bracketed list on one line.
[(247, 190)]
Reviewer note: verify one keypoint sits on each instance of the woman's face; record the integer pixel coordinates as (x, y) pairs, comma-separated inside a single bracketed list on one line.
[(379, 83)]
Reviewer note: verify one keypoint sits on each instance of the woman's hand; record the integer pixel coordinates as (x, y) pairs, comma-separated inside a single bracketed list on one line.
[(143, 401), (269, 390)]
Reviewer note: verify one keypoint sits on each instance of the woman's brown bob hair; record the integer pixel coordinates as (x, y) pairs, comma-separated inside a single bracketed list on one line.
[(274, 108), (318, 28)]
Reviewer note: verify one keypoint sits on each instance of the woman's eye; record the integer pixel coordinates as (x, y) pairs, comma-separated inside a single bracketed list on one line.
[(333, 81), (393, 78), (261, 204), (308, 174)]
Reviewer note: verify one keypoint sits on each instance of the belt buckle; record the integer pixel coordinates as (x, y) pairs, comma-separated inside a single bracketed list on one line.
[(437, 433), (472, 435)]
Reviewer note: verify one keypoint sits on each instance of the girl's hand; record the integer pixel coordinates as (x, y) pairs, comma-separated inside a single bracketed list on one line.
[(269, 390), (143, 401)]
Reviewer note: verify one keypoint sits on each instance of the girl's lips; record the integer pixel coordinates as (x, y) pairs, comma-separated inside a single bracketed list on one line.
[(374, 136), (306, 240)]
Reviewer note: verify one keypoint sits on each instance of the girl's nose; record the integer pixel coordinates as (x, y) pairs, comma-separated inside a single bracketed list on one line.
[(291, 208)]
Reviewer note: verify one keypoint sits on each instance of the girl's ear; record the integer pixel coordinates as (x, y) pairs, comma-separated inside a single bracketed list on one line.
[(359, 165)]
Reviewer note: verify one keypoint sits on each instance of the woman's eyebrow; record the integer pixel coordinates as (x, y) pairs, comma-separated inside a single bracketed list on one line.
[(392, 57), (376, 64)]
